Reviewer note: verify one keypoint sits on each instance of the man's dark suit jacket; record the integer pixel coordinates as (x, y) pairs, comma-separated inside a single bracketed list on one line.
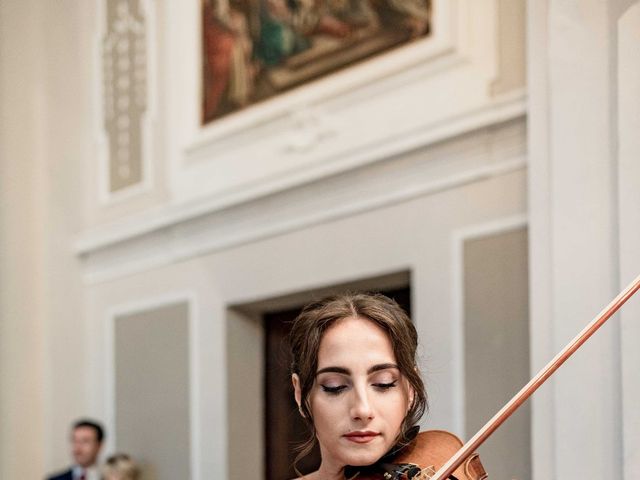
[(68, 475)]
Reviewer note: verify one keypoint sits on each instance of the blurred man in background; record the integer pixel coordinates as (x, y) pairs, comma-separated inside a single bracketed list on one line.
[(86, 441)]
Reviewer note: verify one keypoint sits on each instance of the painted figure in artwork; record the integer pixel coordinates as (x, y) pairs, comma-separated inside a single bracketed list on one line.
[(255, 49)]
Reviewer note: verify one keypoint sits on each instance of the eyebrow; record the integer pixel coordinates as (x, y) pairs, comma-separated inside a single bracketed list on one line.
[(346, 371)]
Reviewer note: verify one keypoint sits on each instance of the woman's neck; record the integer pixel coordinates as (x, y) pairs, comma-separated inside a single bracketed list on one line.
[(326, 472)]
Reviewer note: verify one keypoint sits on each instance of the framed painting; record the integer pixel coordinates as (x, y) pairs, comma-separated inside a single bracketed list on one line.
[(255, 49)]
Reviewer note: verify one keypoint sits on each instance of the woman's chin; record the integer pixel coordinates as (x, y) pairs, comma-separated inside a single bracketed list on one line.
[(362, 459)]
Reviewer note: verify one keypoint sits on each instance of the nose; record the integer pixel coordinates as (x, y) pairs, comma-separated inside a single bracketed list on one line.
[(361, 408)]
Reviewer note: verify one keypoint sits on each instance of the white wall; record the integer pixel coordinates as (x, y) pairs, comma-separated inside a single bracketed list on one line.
[(419, 235), (578, 187), (627, 21), (44, 113), (22, 244), (575, 206), (52, 338)]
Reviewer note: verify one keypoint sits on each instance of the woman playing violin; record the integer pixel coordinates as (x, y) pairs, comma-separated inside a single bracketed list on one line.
[(355, 380), (357, 385)]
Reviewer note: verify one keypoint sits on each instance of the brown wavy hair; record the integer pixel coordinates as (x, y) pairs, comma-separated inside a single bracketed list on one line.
[(309, 327)]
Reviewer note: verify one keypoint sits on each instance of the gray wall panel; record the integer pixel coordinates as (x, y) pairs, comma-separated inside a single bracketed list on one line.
[(152, 390), (496, 329)]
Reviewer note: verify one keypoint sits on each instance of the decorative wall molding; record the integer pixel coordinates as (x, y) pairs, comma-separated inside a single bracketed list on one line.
[(340, 86), (427, 91), (182, 232), (125, 98), (504, 110), (239, 179)]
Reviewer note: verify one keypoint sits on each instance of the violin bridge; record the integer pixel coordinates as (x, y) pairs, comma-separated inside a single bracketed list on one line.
[(426, 473)]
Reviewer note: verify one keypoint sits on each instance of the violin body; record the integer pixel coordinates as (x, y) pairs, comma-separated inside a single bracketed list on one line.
[(423, 457)]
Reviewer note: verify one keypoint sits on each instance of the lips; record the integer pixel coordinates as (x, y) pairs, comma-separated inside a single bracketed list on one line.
[(361, 436)]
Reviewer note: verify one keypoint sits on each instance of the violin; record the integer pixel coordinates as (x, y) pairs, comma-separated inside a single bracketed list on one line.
[(421, 458), (440, 455)]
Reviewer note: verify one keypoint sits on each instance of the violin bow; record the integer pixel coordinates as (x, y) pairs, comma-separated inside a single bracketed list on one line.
[(498, 419)]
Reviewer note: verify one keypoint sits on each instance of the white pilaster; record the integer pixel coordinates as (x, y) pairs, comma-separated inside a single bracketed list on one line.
[(574, 253), (628, 76)]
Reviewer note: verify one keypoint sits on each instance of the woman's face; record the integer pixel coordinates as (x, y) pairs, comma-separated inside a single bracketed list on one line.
[(359, 399)]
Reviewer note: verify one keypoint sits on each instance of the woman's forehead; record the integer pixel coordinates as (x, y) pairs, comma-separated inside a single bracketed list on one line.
[(355, 342)]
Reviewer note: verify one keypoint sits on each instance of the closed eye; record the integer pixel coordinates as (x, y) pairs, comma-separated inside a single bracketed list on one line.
[(385, 386), (333, 390)]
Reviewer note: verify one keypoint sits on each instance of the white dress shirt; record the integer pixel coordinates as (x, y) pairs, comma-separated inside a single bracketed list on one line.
[(91, 473)]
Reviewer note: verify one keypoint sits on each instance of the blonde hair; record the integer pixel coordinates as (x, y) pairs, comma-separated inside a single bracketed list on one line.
[(120, 467)]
